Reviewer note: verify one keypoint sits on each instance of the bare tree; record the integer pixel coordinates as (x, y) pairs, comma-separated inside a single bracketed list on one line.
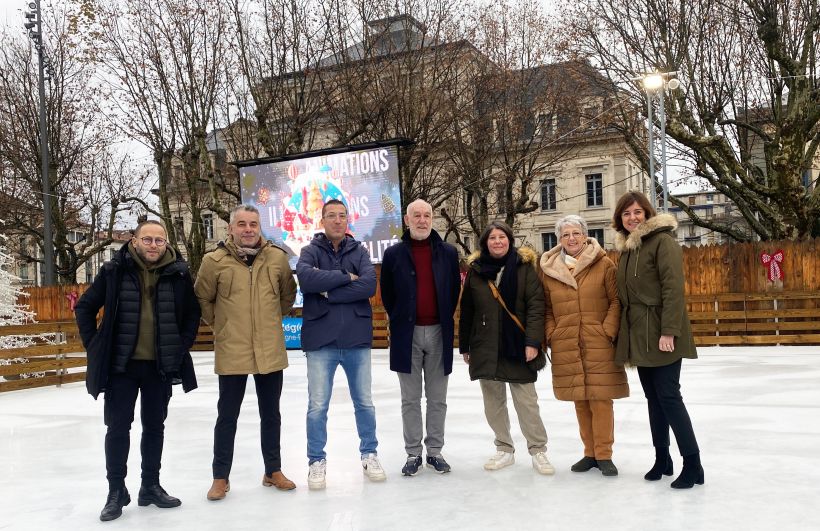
[(331, 74), (521, 110), (278, 45), (87, 175), (747, 112), (405, 78), (167, 66)]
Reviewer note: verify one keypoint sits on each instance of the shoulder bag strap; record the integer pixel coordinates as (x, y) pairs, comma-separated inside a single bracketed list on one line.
[(500, 300)]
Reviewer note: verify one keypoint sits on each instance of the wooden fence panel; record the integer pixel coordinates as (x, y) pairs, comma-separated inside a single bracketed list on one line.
[(53, 303)]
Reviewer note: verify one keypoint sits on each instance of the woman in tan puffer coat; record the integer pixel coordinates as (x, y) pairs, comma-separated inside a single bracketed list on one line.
[(582, 319)]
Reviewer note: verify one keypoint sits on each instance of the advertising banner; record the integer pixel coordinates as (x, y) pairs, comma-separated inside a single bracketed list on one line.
[(290, 195)]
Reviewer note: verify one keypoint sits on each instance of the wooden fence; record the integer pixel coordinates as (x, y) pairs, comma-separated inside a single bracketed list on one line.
[(58, 363), (723, 319), (710, 270), (730, 300), (737, 268)]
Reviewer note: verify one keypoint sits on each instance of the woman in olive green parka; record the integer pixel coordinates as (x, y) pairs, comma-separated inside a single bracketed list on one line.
[(655, 334)]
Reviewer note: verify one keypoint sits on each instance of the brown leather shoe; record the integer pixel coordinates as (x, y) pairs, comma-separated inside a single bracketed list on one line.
[(277, 479), (219, 489)]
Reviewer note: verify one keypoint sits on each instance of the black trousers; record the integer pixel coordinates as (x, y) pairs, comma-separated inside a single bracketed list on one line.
[(120, 398), (231, 393), (661, 385)]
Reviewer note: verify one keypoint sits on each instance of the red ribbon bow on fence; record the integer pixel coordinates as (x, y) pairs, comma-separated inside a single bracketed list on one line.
[(773, 261), (72, 299)]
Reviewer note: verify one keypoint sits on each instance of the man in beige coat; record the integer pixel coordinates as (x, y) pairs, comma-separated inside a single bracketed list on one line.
[(244, 287)]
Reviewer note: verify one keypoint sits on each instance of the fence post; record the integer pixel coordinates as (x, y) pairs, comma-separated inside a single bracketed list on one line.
[(60, 339)]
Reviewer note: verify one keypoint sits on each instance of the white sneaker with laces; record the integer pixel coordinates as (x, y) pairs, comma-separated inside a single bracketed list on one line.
[(316, 475), (542, 465), (499, 460), (372, 468)]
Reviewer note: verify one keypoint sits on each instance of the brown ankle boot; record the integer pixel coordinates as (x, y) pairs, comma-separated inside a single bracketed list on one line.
[(219, 489), (277, 479)]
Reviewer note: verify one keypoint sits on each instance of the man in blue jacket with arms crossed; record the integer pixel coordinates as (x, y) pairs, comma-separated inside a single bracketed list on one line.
[(337, 279)]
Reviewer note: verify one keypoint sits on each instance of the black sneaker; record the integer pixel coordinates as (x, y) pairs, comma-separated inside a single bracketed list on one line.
[(438, 463), (411, 467)]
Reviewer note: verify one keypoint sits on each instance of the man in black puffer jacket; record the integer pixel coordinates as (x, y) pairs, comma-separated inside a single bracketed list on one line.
[(150, 321)]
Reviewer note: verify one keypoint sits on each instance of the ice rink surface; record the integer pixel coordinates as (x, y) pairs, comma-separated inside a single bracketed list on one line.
[(756, 413)]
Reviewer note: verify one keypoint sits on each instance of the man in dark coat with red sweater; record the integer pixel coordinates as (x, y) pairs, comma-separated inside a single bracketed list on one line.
[(420, 284)]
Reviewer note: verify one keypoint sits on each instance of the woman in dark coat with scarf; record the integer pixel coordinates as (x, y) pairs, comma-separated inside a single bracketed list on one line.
[(498, 350), (655, 334)]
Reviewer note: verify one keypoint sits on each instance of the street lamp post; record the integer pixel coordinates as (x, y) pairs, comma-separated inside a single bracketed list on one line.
[(658, 83), (48, 238)]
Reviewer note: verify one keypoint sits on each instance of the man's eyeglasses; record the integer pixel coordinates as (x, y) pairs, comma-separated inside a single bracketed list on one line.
[(334, 217), (147, 240)]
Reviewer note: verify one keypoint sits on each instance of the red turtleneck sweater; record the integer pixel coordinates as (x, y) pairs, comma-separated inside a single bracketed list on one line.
[(426, 302)]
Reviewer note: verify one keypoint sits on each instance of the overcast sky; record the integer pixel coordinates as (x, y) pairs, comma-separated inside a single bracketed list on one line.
[(9, 14)]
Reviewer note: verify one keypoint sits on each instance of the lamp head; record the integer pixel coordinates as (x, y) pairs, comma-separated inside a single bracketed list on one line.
[(653, 81)]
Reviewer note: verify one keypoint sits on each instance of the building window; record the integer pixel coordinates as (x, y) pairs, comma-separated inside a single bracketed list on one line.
[(548, 194), (208, 223), (24, 272), (595, 190), (111, 253), (548, 241), (546, 124), (710, 198), (691, 200), (89, 273), (179, 228), (500, 192), (693, 231), (589, 114), (467, 242), (598, 234)]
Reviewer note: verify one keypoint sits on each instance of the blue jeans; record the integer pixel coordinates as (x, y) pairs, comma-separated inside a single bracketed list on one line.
[(321, 367)]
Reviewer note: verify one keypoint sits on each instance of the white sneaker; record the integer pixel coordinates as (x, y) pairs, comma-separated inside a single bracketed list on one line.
[(542, 465), (316, 475), (499, 460), (372, 468)]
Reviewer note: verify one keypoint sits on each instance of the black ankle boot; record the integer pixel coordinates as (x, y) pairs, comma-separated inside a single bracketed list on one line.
[(155, 494), (117, 499), (662, 466), (691, 474)]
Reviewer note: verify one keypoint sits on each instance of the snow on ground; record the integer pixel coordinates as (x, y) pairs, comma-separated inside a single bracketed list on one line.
[(756, 412)]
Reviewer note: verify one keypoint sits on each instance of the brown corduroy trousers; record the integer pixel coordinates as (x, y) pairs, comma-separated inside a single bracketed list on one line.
[(596, 422)]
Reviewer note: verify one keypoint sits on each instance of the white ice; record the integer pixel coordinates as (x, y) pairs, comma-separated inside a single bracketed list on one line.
[(756, 412)]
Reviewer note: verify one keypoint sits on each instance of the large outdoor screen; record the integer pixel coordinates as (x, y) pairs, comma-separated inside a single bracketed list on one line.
[(289, 195)]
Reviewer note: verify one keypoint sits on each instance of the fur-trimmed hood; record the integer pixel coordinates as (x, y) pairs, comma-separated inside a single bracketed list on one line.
[(554, 266), (526, 254), (659, 223)]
